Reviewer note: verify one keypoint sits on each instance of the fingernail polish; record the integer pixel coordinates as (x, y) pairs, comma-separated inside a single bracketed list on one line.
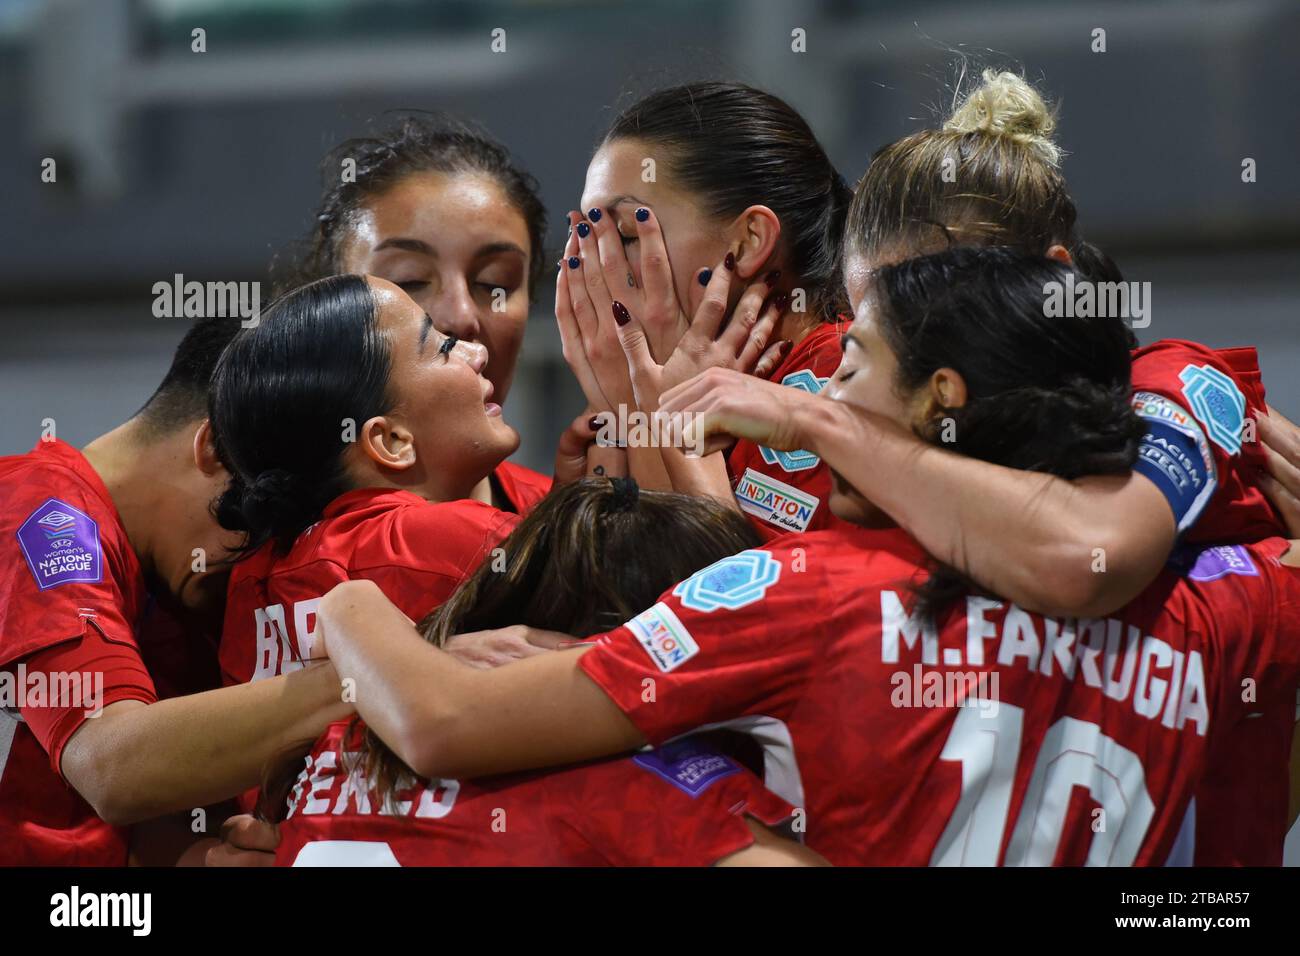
[(573, 262), (781, 301), (772, 276), (785, 348), (584, 230), (642, 214), (594, 423), (705, 276), (593, 214), (621, 315), (730, 262)]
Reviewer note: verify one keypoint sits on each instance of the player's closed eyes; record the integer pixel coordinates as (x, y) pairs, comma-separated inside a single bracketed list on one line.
[(448, 343)]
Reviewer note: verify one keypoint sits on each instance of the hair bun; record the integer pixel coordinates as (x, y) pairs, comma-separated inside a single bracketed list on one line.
[(273, 504), (1005, 104)]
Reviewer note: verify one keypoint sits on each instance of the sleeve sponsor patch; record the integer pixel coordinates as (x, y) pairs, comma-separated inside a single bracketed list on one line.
[(1210, 564), (775, 502), (801, 460), (687, 766), (1217, 403), (61, 545), (731, 583), (664, 637), (1175, 455)]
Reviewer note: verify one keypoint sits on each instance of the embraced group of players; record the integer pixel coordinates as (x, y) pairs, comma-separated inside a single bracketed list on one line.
[(305, 580)]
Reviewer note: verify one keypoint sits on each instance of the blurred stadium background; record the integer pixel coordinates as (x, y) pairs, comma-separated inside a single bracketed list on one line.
[(205, 164)]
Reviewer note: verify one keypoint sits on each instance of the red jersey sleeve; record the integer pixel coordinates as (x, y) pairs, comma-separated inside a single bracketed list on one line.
[(79, 678), (1200, 449), (70, 593), (717, 646), (522, 486), (785, 491), (62, 557), (682, 804)]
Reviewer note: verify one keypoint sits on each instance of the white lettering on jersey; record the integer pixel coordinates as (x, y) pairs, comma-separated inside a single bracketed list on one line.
[(1107, 654), (895, 622), (275, 644)]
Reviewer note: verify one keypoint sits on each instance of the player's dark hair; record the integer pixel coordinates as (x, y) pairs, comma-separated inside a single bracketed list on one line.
[(588, 557), (734, 146), (418, 143), (281, 396), (182, 398), (1044, 393)]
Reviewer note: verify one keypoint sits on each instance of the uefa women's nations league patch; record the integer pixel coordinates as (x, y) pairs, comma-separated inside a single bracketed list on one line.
[(1220, 561), (61, 545), (687, 765)]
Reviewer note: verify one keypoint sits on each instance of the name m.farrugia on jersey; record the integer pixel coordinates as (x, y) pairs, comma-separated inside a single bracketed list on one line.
[(1159, 681)]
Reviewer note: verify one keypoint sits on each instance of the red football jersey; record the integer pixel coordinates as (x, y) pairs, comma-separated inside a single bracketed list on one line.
[(679, 805), (522, 486), (785, 491), (416, 551), (1079, 741), (1200, 452), (71, 590)]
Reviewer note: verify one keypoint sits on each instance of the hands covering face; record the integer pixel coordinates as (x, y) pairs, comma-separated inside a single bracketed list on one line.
[(627, 343)]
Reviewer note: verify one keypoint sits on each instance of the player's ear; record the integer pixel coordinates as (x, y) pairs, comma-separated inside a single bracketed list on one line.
[(1060, 254), (754, 236), (205, 451), (945, 390), (388, 443)]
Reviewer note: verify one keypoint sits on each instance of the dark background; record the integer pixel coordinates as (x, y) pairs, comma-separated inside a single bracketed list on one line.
[(205, 163)]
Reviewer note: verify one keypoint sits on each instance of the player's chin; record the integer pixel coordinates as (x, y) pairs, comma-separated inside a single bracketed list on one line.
[(500, 436), (847, 505)]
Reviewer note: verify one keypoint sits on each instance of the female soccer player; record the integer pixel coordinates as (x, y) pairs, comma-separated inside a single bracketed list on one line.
[(587, 557), (814, 645), (347, 412), (444, 213), (1084, 546), (691, 188)]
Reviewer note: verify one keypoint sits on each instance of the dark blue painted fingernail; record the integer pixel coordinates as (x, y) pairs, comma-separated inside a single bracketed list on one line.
[(705, 276), (593, 214), (642, 214), (584, 230), (573, 262)]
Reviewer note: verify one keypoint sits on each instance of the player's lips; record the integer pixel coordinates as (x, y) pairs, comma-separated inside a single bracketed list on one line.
[(493, 409)]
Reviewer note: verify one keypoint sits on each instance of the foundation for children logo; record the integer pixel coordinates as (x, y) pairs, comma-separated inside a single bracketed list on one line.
[(774, 501), (61, 545)]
